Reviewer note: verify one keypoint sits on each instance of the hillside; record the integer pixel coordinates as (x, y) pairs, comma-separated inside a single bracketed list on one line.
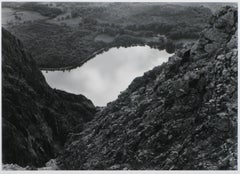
[(35, 118), (180, 115), (68, 39)]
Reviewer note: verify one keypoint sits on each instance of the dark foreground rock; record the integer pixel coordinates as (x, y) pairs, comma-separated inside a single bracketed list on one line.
[(35, 118), (180, 115)]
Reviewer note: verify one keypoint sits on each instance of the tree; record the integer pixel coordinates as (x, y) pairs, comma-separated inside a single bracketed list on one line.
[(67, 17), (148, 33), (74, 13), (170, 47)]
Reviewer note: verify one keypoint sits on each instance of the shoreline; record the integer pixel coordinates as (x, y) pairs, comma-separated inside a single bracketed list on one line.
[(75, 66), (68, 68)]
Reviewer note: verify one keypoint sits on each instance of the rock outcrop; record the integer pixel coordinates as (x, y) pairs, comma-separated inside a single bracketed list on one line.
[(180, 115), (36, 119)]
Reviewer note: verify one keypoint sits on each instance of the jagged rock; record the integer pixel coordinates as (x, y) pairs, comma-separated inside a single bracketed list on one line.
[(14, 167), (233, 42), (50, 165), (225, 19), (35, 118), (215, 35), (222, 26), (185, 118), (210, 48)]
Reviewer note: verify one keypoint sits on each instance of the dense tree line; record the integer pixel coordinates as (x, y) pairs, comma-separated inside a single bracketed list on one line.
[(42, 9), (173, 31)]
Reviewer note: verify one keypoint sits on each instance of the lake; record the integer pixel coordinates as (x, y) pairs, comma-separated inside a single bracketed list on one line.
[(102, 78)]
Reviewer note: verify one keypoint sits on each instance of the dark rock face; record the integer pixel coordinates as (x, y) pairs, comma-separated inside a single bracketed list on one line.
[(35, 118), (180, 115)]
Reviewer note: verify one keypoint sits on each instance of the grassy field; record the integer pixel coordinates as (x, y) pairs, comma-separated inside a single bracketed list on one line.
[(14, 17)]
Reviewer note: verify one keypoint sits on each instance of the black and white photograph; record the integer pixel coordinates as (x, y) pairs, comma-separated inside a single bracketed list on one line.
[(119, 85)]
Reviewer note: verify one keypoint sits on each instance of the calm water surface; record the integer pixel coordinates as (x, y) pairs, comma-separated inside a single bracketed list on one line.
[(102, 78)]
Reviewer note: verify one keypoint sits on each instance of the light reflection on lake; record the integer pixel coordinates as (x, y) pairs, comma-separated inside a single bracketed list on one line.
[(102, 78)]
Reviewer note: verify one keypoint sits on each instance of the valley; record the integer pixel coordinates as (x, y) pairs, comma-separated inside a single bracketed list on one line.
[(119, 86)]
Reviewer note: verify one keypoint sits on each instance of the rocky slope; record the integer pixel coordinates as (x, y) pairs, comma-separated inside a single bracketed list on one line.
[(35, 118), (180, 115)]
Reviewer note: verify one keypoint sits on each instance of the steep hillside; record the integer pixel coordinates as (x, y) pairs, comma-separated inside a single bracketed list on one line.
[(35, 118), (180, 115)]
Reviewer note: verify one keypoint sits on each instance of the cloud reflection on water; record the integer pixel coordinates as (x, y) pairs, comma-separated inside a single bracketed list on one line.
[(103, 78)]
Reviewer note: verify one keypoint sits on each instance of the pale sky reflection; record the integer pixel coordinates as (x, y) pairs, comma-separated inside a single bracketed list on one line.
[(103, 78)]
